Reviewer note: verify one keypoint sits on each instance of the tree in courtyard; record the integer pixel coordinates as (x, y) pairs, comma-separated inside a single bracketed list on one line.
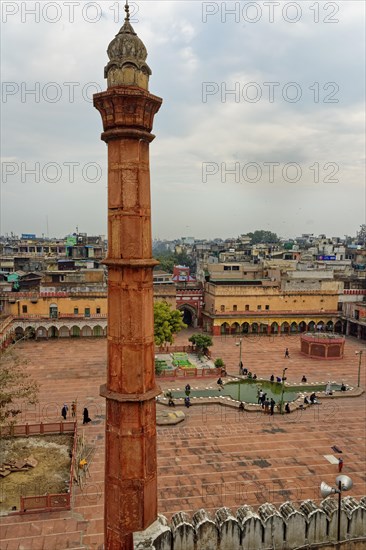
[(16, 386), (202, 342), (167, 322)]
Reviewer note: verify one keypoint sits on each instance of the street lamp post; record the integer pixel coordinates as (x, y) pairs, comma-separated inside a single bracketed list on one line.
[(240, 362), (339, 487), (344, 483), (359, 353), (240, 365), (283, 389)]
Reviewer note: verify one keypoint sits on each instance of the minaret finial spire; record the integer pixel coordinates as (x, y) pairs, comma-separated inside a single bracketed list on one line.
[(127, 10), (127, 58)]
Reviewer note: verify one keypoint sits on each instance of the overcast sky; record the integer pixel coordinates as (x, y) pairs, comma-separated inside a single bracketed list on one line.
[(261, 127)]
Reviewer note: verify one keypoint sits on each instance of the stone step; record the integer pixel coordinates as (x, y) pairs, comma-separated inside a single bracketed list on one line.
[(60, 541)]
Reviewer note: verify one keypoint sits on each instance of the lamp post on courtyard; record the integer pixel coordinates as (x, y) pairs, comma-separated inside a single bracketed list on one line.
[(344, 483), (359, 353), (283, 389), (240, 364), (240, 361)]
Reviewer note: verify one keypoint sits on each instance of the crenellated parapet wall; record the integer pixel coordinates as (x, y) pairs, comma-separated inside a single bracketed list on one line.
[(286, 528)]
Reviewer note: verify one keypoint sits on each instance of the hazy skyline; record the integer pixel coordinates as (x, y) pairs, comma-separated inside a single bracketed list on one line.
[(261, 127)]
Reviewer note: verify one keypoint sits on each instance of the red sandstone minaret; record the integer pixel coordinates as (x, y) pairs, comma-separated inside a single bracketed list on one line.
[(127, 109)]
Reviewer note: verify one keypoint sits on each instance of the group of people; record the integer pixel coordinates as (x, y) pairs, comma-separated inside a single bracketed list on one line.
[(313, 399), (187, 400), (244, 372), (278, 378), (65, 410), (272, 378), (267, 404)]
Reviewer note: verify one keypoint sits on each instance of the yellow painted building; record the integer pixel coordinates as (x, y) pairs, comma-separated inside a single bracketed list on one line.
[(69, 304), (231, 307), (56, 304)]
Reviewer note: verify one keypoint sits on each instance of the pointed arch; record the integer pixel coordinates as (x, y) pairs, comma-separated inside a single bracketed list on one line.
[(86, 331), (41, 332), (97, 331), (75, 331), (64, 332), (53, 332)]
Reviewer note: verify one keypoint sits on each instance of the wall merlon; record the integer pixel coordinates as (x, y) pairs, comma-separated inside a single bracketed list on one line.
[(286, 528)]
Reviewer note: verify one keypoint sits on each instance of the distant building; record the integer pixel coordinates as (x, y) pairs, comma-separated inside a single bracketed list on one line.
[(181, 274), (354, 314), (309, 283), (253, 299)]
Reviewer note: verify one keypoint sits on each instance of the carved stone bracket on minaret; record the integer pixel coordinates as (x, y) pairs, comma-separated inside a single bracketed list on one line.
[(127, 107)]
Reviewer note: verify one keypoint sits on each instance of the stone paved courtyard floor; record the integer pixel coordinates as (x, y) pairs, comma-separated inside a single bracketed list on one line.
[(217, 456)]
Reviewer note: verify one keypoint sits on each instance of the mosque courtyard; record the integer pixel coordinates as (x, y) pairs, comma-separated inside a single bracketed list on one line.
[(218, 456)]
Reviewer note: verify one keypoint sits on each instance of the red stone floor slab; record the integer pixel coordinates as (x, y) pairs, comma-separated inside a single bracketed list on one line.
[(218, 456)]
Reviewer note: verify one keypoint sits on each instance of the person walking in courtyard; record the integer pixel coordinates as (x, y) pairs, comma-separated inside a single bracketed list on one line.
[(64, 410), (272, 405), (304, 379), (187, 402), (287, 408), (188, 389), (264, 397), (272, 378), (260, 395), (287, 354), (340, 464), (86, 418), (73, 409), (266, 406)]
